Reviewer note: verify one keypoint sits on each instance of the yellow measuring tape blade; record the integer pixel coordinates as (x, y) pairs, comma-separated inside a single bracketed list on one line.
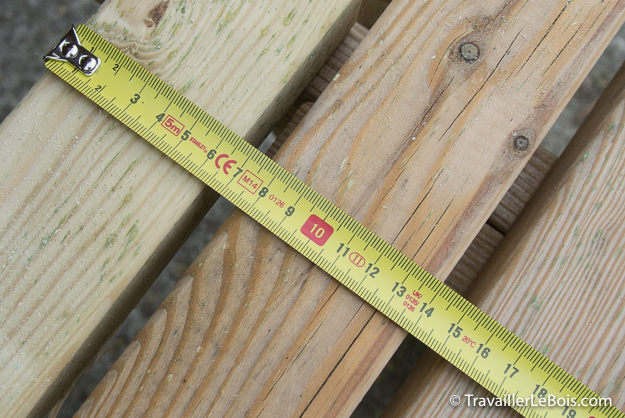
[(483, 349)]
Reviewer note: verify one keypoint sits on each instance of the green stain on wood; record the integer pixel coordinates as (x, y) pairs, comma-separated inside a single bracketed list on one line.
[(161, 26), (132, 234), (127, 199), (44, 241), (125, 220), (186, 54), (66, 235), (597, 236), (108, 165), (230, 15), (291, 41), (585, 157), (186, 87), (287, 20), (110, 240), (123, 175)]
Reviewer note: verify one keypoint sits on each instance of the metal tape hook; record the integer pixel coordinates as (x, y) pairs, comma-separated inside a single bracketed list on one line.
[(70, 50)]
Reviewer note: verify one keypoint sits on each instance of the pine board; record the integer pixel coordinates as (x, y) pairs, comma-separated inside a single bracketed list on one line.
[(90, 213), (412, 140)]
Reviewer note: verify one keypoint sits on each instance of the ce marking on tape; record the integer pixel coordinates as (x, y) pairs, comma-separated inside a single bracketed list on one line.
[(223, 165), (226, 165), (177, 128)]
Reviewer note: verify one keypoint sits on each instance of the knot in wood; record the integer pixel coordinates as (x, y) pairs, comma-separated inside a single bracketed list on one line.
[(156, 14)]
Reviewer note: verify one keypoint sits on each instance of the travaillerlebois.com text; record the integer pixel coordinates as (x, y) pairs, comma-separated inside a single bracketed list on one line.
[(532, 401)]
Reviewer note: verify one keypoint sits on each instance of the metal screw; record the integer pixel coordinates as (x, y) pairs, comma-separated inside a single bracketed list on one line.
[(521, 143), (469, 52)]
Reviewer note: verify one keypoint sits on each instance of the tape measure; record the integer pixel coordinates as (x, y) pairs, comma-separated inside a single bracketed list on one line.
[(516, 373)]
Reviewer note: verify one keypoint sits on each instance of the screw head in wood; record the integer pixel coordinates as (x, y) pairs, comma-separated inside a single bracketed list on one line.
[(469, 52), (521, 143)]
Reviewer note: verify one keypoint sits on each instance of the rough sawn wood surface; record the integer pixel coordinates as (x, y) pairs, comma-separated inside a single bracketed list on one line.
[(412, 140), (557, 279), (90, 213)]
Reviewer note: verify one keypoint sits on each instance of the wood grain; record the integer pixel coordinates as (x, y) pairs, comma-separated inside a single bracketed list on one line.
[(500, 221), (319, 82), (90, 213), (525, 185), (370, 11), (557, 280), (413, 141)]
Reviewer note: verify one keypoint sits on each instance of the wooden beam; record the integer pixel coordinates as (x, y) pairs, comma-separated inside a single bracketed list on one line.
[(370, 11), (513, 203), (320, 81), (500, 221), (418, 139), (90, 213), (557, 279)]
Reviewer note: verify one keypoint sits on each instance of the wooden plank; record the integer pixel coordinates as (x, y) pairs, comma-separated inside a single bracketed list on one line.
[(320, 81), (474, 259), (331, 68), (500, 221), (557, 280), (370, 11), (411, 139), (513, 203), (90, 213), (290, 123)]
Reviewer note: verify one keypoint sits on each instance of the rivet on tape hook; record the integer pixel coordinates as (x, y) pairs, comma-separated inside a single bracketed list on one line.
[(70, 50)]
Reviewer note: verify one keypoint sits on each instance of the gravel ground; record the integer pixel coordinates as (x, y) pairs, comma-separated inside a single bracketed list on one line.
[(29, 29)]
